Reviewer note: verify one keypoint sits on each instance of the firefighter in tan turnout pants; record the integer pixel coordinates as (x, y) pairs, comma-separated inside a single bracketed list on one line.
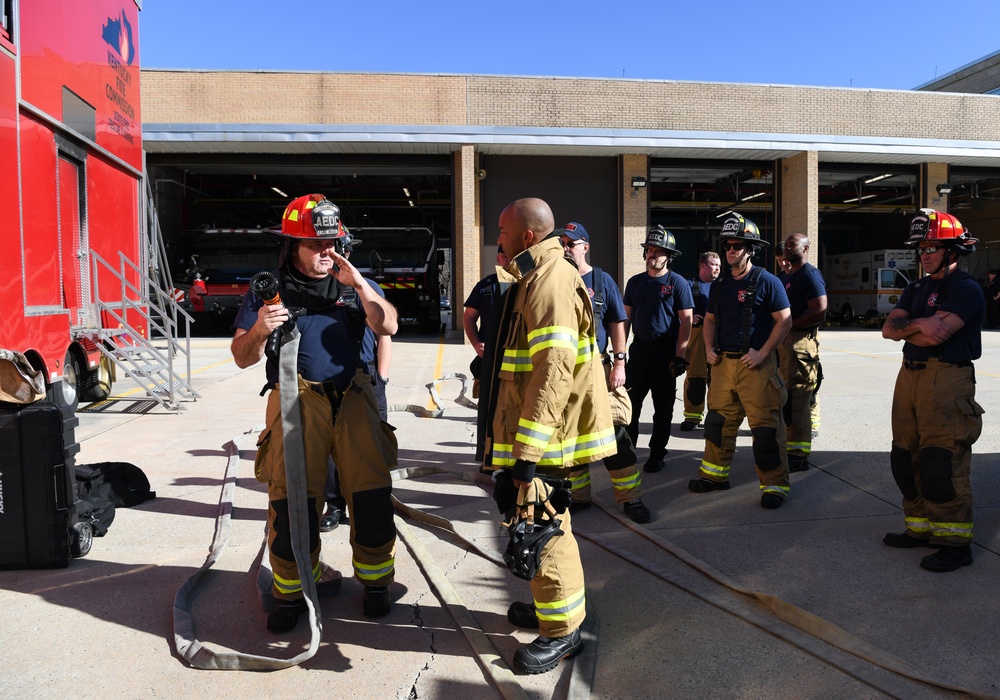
[(609, 320), (746, 319), (696, 382), (335, 306), (550, 413), (935, 417), (799, 351)]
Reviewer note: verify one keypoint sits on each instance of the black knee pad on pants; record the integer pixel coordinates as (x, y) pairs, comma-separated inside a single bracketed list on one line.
[(902, 472), (696, 390), (935, 474), (766, 452), (282, 545), (714, 422), (372, 514), (625, 457)]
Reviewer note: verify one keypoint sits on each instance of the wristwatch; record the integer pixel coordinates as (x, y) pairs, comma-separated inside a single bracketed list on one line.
[(618, 355)]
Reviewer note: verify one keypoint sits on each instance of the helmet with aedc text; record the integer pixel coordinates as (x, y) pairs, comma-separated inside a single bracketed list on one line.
[(941, 227)]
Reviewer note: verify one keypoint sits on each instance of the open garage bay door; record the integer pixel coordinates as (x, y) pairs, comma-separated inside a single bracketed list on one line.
[(214, 208)]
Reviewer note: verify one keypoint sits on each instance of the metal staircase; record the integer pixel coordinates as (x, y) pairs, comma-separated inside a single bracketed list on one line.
[(153, 361)]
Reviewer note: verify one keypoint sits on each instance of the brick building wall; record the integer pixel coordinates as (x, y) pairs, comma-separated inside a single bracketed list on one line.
[(227, 97)]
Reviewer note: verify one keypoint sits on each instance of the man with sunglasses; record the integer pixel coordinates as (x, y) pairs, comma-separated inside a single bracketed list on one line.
[(658, 303), (935, 417), (747, 318)]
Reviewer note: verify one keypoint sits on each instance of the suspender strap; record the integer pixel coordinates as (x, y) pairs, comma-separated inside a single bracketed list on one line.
[(751, 292)]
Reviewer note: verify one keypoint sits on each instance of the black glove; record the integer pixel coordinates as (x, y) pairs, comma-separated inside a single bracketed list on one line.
[(560, 499), (504, 491), (524, 471), (678, 366)]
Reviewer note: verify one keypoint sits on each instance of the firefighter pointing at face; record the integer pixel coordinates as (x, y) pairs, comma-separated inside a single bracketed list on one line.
[(336, 407), (746, 319), (550, 413), (935, 417)]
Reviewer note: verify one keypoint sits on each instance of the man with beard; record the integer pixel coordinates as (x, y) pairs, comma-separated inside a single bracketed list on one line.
[(799, 351), (658, 304)]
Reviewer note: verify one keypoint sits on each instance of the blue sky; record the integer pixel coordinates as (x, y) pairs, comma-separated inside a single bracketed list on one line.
[(892, 44)]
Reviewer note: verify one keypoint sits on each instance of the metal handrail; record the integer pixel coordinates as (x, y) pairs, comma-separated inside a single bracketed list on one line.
[(167, 310)]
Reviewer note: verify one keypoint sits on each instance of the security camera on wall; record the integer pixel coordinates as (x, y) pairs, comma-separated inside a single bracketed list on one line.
[(481, 173)]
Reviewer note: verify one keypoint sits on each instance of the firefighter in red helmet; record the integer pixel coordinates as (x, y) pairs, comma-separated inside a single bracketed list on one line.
[(334, 307), (935, 417)]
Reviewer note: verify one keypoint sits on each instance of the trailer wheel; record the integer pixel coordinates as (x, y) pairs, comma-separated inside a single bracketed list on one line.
[(66, 392), (846, 315), (81, 540), (95, 385)]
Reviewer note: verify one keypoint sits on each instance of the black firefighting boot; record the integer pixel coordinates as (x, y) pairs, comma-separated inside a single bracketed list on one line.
[(948, 559), (544, 654)]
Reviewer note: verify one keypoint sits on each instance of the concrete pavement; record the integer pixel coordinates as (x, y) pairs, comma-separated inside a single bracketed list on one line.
[(103, 626)]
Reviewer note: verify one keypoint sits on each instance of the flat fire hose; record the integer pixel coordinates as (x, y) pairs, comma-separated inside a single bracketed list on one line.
[(814, 627), (197, 654), (438, 410), (584, 665), (811, 628)]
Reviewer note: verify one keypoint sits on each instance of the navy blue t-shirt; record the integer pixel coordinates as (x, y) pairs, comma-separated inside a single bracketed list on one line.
[(700, 292), (483, 298), (958, 293), (769, 297), (326, 349), (801, 287), (614, 309), (655, 302)]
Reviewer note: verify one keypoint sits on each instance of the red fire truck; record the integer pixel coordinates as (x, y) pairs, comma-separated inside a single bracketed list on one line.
[(70, 184)]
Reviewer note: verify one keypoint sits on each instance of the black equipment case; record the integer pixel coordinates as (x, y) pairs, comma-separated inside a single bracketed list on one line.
[(38, 493)]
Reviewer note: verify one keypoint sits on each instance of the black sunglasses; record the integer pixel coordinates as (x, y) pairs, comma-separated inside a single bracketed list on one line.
[(735, 246)]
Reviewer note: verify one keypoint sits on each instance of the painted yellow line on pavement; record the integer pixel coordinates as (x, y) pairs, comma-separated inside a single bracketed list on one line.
[(437, 370)]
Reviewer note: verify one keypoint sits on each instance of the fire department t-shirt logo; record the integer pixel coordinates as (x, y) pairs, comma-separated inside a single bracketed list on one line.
[(932, 299), (666, 289), (590, 292), (742, 295)]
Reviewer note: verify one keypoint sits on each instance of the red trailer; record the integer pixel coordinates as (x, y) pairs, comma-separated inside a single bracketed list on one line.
[(71, 167)]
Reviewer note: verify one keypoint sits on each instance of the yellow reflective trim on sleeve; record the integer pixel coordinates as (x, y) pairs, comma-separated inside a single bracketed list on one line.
[(534, 434), (552, 337), (516, 361)]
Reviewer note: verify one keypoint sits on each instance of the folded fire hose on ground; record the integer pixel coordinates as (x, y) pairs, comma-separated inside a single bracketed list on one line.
[(808, 629)]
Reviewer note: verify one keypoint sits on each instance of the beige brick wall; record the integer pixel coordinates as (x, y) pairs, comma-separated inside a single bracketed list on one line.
[(231, 97), (799, 205), (465, 254), (635, 214), (360, 98), (934, 174)]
